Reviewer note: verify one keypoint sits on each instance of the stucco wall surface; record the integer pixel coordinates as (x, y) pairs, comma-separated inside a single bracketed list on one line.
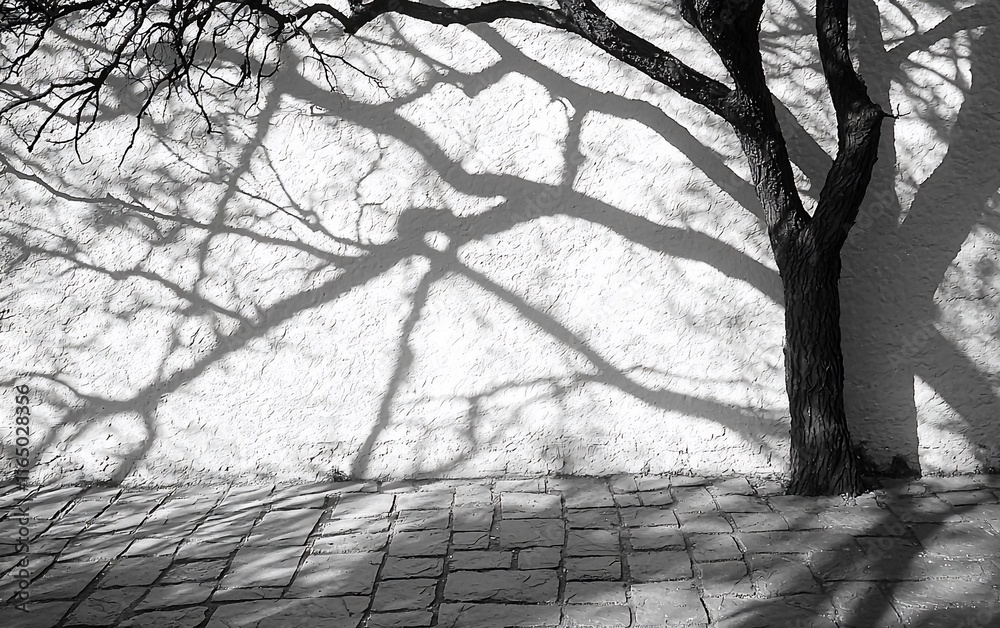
[(510, 254)]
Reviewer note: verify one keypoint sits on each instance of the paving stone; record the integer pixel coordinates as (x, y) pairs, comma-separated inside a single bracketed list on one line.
[(104, 547), (425, 500), (353, 526), (103, 606), (774, 575), (768, 488), (595, 592), (46, 504), (742, 503), (472, 519), (676, 603), (693, 499), (532, 485), (47, 546), (703, 522), (800, 611), (65, 580), (933, 594), (596, 616), (195, 550), (900, 486), (655, 498), (167, 595), (637, 517), (988, 480), (531, 533), (583, 492), (539, 558), (410, 520), (659, 537), (724, 578), (989, 513), (145, 497), (208, 492), (958, 539), (623, 484), (956, 483), (404, 595), (485, 560), (498, 615), (473, 495), (759, 522), (244, 498), (181, 618), (535, 587), (284, 527), (853, 519), (707, 547), (733, 486), (896, 564), (363, 506), (177, 514), (627, 500), (323, 575), (592, 542), (152, 546), (120, 519), (862, 605), (351, 543), (224, 527), (594, 568), (262, 567), (402, 619), (412, 568), (529, 506), (35, 615), (592, 518), (303, 496), (35, 566), (470, 540), (241, 595), (929, 509), (401, 486), (652, 482), (804, 541), (140, 571), (687, 480), (343, 612), (969, 498), (201, 571), (419, 543), (65, 530), (657, 566)]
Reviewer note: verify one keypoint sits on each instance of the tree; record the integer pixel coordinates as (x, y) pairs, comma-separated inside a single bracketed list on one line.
[(165, 48)]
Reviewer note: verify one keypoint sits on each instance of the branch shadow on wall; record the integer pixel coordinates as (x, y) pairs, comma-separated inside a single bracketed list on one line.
[(525, 201)]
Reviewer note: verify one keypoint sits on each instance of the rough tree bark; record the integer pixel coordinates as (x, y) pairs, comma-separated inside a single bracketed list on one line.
[(806, 247)]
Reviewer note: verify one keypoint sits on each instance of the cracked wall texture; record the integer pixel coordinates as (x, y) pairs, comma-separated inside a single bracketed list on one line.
[(515, 256)]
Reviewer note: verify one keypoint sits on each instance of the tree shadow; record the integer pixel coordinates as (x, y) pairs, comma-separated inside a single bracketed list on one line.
[(233, 324), (259, 207), (912, 362)]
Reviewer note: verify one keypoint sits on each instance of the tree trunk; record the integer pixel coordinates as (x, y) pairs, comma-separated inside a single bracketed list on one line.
[(823, 458)]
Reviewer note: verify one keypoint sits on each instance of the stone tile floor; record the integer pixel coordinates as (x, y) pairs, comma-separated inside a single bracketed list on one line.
[(620, 551)]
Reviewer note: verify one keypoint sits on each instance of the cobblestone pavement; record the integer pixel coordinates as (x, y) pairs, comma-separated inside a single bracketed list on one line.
[(620, 551)]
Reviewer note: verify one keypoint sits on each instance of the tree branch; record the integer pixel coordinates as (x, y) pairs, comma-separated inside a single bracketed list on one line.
[(859, 122)]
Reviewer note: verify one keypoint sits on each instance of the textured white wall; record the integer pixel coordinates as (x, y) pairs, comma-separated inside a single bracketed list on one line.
[(517, 256)]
